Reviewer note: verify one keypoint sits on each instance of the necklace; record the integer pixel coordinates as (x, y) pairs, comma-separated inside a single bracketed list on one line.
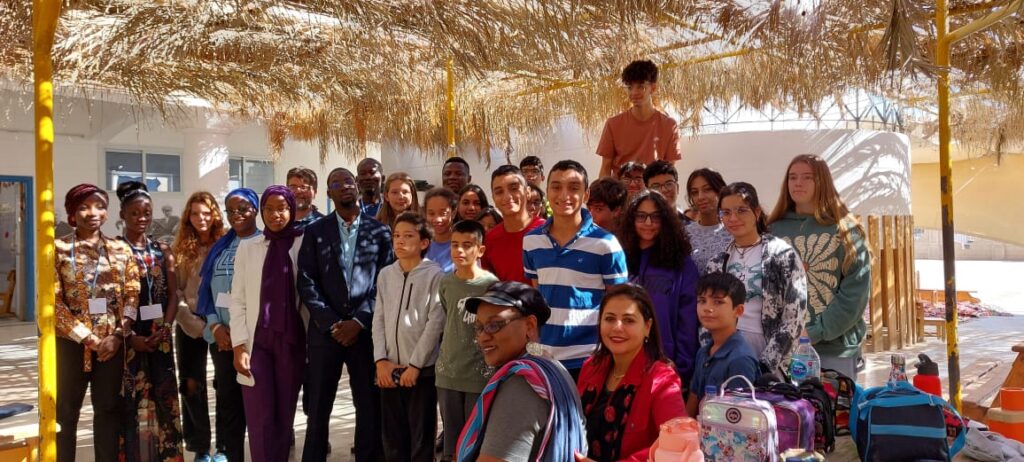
[(743, 250)]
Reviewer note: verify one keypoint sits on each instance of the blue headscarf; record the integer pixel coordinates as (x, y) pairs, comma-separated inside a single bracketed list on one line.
[(205, 305)]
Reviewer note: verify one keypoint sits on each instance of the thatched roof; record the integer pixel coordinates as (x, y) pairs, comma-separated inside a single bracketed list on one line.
[(348, 71)]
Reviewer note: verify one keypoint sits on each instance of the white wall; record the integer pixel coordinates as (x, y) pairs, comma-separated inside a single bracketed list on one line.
[(871, 169), (86, 128), (567, 140)]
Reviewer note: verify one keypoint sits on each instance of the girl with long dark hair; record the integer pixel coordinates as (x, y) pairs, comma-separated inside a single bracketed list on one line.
[(658, 257)]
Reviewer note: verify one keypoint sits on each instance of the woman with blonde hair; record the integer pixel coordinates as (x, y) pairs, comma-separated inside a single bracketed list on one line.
[(812, 218), (201, 225), (399, 196)]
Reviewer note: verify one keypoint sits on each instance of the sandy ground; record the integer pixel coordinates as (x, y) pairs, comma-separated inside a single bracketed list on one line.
[(996, 283)]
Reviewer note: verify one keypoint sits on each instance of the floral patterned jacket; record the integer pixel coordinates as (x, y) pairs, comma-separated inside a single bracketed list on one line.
[(784, 313), (116, 277)]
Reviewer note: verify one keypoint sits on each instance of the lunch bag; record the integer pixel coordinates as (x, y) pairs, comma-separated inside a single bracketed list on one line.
[(737, 428), (899, 422), (794, 415)]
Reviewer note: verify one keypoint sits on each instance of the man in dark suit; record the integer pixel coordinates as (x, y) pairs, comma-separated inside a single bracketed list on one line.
[(337, 281)]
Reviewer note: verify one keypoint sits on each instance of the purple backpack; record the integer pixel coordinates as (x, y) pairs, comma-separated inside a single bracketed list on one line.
[(794, 415)]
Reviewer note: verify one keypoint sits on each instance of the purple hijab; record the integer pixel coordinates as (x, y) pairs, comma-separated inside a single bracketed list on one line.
[(278, 309)]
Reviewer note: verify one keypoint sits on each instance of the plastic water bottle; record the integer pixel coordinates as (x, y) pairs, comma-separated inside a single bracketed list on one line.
[(805, 362)]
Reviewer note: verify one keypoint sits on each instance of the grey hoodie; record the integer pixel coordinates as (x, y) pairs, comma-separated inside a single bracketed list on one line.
[(407, 317)]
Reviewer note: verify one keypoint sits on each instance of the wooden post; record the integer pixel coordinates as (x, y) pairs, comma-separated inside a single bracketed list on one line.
[(901, 283), (908, 275), (889, 315), (875, 305)]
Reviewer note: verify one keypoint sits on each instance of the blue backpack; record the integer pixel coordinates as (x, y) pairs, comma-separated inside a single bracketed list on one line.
[(900, 422)]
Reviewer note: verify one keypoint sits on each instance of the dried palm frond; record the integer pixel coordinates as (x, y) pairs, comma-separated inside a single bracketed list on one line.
[(344, 73)]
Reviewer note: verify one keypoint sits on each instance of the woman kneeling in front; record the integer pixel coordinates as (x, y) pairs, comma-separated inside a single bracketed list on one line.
[(529, 409), (628, 387)]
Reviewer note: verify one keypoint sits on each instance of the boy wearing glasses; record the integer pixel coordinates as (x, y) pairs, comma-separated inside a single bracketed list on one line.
[(461, 371), (662, 177), (641, 133), (407, 323), (720, 298)]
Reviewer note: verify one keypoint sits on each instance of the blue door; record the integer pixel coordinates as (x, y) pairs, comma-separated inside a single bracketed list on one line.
[(17, 248)]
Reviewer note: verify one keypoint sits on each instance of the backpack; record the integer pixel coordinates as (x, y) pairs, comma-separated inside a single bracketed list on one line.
[(824, 414), (842, 390), (900, 422), (737, 428)]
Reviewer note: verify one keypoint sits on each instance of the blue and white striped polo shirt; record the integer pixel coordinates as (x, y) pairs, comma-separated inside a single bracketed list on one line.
[(572, 280)]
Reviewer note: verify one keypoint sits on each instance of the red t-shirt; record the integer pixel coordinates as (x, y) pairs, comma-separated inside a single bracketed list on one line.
[(626, 139), (504, 254)]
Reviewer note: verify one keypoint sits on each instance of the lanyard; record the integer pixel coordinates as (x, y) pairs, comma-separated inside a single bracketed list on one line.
[(96, 269), (146, 259)]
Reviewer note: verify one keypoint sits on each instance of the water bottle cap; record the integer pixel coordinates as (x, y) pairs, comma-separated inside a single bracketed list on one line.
[(805, 340), (710, 390)]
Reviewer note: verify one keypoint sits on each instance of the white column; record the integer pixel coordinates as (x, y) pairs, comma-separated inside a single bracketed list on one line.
[(204, 160)]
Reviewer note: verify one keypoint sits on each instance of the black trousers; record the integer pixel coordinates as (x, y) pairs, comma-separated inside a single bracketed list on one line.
[(105, 382), (409, 420), (326, 360), (195, 411), (230, 409)]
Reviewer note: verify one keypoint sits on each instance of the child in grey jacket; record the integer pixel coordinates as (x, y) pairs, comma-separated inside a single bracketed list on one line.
[(407, 323)]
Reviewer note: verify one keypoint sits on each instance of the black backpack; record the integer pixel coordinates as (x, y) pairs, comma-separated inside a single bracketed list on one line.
[(813, 391)]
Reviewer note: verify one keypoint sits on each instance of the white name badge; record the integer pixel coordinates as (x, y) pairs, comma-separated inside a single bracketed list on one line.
[(149, 312), (223, 300), (97, 306)]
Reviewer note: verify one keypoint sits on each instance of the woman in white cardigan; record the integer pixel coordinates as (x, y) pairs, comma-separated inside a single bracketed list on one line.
[(266, 329)]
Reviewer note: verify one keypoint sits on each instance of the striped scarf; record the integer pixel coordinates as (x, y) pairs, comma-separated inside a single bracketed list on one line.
[(563, 434)]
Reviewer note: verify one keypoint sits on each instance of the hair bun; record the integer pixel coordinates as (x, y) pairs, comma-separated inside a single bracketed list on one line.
[(130, 188)]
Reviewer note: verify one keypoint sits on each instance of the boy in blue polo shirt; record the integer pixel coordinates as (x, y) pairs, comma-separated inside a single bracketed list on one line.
[(571, 260), (720, 298)]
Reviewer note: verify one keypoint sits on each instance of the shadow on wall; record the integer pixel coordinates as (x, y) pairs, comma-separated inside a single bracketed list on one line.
[(871, 169)]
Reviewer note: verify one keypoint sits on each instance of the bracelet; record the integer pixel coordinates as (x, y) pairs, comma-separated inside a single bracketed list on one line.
[(213, 328)]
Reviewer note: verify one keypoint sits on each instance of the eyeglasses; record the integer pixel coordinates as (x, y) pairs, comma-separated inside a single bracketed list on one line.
[(493, 327), (346, 183), (669, 185), (633, 180), (726, 213), (238, 211), (642, 218), (300, 188)]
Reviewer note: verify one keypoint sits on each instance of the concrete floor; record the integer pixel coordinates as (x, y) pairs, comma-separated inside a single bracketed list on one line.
[(988, 338)]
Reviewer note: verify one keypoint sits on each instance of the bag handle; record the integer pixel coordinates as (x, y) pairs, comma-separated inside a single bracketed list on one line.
[(721, 390)]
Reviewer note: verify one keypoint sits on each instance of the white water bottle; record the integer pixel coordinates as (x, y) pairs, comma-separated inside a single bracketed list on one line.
[(805, 362)]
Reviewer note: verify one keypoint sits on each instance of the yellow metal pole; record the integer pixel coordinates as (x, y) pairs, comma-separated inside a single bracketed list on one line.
[(451, 107), (945, 41), (44, 25)]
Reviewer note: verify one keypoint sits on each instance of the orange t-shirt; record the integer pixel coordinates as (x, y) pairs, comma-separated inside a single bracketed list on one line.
[(627, 139)]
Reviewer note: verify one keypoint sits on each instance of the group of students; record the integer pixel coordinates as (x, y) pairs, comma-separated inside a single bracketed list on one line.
[(567, 321)]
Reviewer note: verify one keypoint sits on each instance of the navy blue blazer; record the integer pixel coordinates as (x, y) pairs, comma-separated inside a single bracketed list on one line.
[(321, 281)]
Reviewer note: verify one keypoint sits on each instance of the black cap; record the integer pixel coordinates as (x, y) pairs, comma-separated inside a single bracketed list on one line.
[(520, 296)]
